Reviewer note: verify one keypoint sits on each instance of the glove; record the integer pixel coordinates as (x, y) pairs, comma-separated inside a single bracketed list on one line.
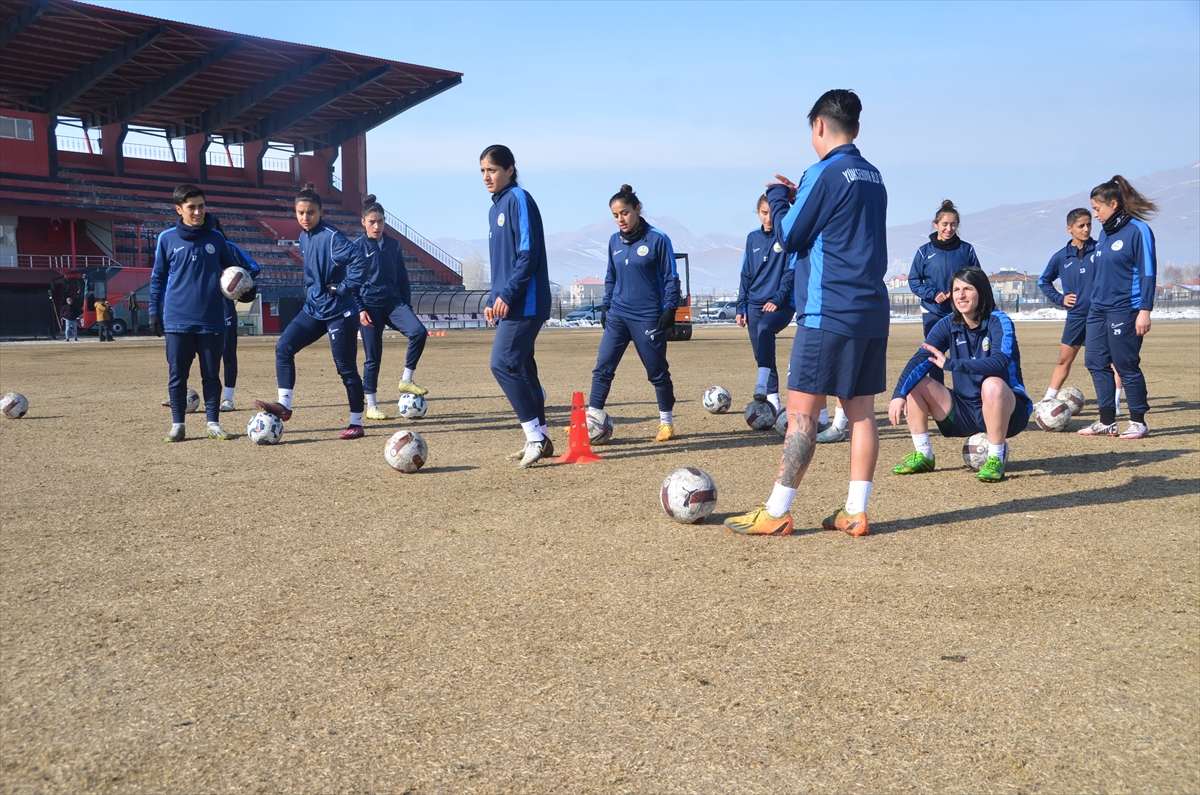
[(332, 290), (156, 325), (667, 320), (604, 317), (249, 295)]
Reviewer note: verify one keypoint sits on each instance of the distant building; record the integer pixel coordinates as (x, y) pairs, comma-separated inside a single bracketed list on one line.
[(1011, 286), (588, 290), (899, 280)]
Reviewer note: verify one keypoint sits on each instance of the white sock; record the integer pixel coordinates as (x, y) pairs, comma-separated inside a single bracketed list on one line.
[(544, 431), (823, 418), (666, 417), (212, 425), (1118, 401), (372, 398), (1051, 394), (922, 444), (285, 397), (840, 421), (856, 498), (997, 450), (532, 433), (356, 418), (773, 399), (760, 386), (780, 501), (176, 426), (229, 393), (408, 374)]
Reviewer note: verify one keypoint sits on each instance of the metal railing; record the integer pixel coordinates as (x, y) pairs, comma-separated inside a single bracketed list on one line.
[(64, 261), (230, 159), (71, 143), (426, 245), (336, 181), (152, 152)]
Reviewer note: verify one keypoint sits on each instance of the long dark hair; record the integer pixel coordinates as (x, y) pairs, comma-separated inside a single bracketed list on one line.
[(627, 197), (309, 194), (1126, 196), (502, 156), (979, 280), (370, 205)]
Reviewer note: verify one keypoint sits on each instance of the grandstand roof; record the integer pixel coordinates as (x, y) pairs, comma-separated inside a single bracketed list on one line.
[(106, 67)]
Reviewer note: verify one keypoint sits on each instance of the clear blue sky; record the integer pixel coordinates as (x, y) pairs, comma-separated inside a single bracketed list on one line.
[(698, 104)]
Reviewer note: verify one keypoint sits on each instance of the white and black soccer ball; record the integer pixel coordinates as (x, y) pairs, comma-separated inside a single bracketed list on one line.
[(1052, 415), (406, 451), (236, 282), (1073, 397), (760, 415), (689, 495), (13, 405), (781, 423), (717, 400), (193, 401), (264, 428), (600, 426), (412, 407), (975, 451)]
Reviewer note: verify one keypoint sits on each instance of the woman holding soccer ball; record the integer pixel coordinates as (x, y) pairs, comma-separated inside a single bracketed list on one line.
[(978, 344), (641, 293)]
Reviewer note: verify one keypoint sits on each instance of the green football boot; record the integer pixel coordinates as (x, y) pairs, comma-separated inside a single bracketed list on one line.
[(914, 462), (992, 470)]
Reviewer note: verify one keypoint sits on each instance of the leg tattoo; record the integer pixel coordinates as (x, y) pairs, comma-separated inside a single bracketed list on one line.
[(798, 449)]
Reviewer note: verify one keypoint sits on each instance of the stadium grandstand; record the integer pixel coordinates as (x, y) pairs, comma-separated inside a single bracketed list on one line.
[(103, 113)]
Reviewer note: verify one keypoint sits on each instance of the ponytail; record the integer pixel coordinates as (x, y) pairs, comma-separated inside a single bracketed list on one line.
[(627, 197), (309, 194), (947, 207), (370, 205), (1126, 196)]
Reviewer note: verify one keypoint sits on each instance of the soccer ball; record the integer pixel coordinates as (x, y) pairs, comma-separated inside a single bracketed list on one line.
[(264, 428), (975, 451), (236, 282), (600, 426), (14, 405), (717, 400), (1072, 397), (781, 424), (406, 451), (760, 416), (193, 401), (412, 407), (689, 495), (1052, 415)]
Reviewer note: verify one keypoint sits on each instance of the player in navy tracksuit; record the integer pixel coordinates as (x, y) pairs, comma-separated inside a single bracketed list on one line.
[(1122, 297), (1072, 265), (837, 215), (520, 298), (187, 306), (333, 270), (934, 266), (765, 300), (979, 345), (641, 293), (386, 300), (229, 352)]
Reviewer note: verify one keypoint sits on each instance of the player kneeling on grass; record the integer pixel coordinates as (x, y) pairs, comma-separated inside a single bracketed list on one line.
[(988, 393), (186, 305), (641, 292), (386, 300), (333, 271)]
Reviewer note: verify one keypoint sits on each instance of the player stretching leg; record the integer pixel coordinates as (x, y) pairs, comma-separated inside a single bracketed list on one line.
[(386, 299), (187, 306), (333, 271), (765, 301), (641, 292), (1072, 264), (838, 213), (988, 393), (520, 298), (1122, 297)]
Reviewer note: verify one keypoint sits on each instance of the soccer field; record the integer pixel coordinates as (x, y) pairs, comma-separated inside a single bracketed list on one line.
[(217, 616)]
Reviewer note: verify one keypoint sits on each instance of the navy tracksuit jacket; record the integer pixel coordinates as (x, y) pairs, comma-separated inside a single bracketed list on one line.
[(767, 277), (386, 297), (932, 272)]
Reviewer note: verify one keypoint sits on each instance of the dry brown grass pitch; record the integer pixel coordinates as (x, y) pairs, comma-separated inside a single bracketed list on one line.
[(207, 616)]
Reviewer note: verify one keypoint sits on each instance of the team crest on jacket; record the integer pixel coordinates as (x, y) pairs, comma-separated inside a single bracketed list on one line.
[(500, 220), (987, 343), (778, 249), (211, 249), (1118, 245), (643, 251)]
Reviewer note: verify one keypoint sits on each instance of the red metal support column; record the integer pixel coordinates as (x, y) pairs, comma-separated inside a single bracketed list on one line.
[(139, 243)]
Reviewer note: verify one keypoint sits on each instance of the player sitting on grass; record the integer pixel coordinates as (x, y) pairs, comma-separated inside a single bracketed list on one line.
[(641, 292), (988, 393), (186, 305), (333, 270), (386, 300), (765, 300)]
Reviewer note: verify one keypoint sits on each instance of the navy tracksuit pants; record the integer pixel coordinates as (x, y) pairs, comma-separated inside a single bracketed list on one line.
[(229, 354), (303, 331), (763, 326), (1112, 339), (651, 346), (514, 367), (181, 350), (402, 318)]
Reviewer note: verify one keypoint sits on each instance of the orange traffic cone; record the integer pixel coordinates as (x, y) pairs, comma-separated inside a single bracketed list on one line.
[(579, 445)]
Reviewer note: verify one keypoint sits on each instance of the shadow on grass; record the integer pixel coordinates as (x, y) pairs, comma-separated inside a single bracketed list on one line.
[(1095, 462)]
